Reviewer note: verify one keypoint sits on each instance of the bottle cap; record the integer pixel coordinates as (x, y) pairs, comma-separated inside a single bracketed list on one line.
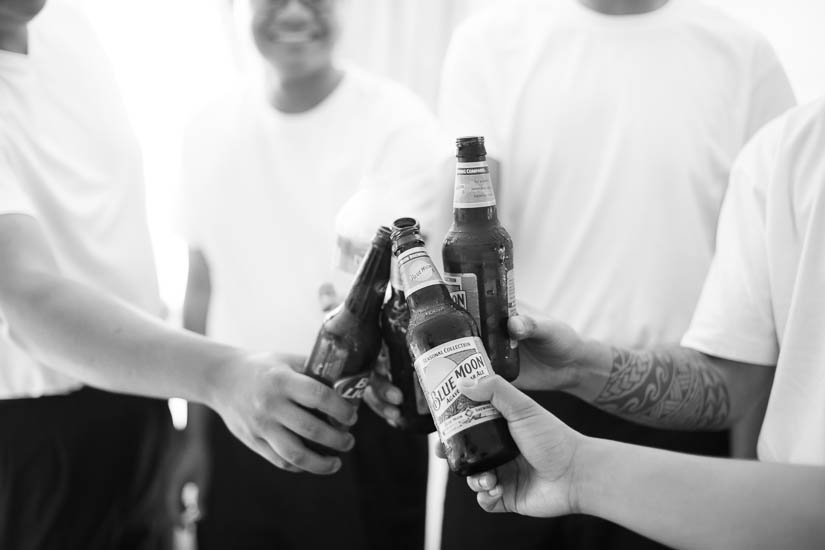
[(470, 147)]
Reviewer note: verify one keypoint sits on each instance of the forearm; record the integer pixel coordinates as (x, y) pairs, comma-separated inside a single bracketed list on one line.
[(698, 502), (108, 344), (677, 388)]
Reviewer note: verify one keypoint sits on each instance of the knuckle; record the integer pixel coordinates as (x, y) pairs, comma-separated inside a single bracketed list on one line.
[(297, 457)]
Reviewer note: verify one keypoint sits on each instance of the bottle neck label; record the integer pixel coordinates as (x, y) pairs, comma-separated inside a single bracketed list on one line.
[(473, 186), (439, 370), (417, 270)]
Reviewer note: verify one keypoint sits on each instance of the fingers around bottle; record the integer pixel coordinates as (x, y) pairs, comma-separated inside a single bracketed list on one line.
[(388, 412), (490, 503), (315, 429), (482, 482), (260, 446), (510, 402), (289, 446), (315, 395)]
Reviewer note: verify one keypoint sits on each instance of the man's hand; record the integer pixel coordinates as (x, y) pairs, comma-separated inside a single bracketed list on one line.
[(381, 395), (270, 407), (540, 481), (554, 357)]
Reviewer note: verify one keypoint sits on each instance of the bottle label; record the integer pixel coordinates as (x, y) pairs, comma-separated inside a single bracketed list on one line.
[(473, 186), (439, 370), (464, 291), (353, 387), (327, 359), (417, 270), (511, 302)]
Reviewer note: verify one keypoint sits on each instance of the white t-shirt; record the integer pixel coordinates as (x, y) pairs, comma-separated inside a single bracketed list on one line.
[(764, 298), (262, 190), (70, 160), (615, 136)]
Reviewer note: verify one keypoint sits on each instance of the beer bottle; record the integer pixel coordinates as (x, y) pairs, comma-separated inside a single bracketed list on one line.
[(395, 317), (444, 341), (478, 256), (350, 338)]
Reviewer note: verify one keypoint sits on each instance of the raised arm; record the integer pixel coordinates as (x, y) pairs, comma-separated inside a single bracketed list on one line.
[(674, 387), (100, 340)]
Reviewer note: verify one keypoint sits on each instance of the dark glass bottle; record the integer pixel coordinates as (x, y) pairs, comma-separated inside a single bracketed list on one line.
[(478, 256), (444, 342), (350, 336), (395, 317)]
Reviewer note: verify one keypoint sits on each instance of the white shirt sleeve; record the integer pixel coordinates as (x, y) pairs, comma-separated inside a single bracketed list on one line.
[(13, 200), (734, 317), (770, 93)]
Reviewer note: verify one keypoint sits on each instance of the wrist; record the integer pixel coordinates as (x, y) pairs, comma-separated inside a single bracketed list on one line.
[(218, 375), (588, 460), (592, 369)]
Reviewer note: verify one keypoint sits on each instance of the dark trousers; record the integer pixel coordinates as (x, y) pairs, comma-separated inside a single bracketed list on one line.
[(83, 470), (466, 525), (376, 501)]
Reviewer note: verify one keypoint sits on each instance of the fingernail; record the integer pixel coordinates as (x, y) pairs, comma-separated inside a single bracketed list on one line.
[(495, 491), (392, 413), (517, 324), (394, 396), (485, 482), (336, 465), (350, 443), (353, 419)]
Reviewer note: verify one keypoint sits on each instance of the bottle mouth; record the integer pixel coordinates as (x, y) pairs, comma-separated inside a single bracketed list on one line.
[(382, 236), (404, 231)]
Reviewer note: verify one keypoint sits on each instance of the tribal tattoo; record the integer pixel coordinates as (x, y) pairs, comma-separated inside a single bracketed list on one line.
[(666, 388)]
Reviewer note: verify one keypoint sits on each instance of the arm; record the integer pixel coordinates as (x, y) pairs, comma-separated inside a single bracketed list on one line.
[(674, 387), (680, 500), (106, 343)]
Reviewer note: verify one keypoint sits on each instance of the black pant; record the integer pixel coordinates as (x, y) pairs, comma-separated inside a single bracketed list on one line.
[(376, 501), (466, 525), (83, 470)]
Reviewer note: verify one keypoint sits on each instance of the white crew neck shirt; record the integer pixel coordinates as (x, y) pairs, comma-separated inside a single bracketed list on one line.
[(262, 190), (69, 159), (764, 298), (615, 136)]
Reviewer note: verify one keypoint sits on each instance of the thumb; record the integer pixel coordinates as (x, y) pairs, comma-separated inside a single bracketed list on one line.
[(521, 326), (506, 398)]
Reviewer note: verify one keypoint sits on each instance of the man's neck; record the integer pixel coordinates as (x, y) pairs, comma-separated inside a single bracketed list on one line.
[(301, 93), (14, 39), (624, 7)]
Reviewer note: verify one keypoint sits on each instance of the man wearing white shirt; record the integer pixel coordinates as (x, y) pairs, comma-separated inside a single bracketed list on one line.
[(81, 467), (615, 124), (757, 331)]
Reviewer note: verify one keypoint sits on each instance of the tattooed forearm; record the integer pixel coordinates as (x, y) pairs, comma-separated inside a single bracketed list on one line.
[(675, 388)]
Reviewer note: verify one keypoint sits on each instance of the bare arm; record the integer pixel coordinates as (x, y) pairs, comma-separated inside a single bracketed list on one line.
[(698, 502), (680, 500), (673, 387), (104, 342)]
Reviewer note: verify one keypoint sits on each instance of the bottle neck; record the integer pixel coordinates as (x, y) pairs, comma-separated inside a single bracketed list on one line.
[(427, 297), (474, 199), (366, 296)]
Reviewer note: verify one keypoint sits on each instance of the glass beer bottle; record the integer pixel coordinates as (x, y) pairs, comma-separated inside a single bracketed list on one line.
[(395, 318), (478, 256), (350, 337), (444, 341)]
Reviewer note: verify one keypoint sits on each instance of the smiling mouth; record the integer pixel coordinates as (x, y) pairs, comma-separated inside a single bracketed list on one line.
[(295, 37)]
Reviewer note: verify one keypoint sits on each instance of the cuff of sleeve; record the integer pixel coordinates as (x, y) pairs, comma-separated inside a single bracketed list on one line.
[(741, 348)]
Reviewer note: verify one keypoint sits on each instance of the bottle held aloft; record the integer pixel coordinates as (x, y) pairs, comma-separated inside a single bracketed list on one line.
[(395, 318), (350, 336), (478, 256), (444, 342)]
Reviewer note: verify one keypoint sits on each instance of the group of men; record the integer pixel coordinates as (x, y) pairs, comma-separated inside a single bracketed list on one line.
[(614, 125)]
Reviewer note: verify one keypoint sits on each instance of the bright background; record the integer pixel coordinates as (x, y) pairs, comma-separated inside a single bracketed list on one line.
[(172, 56)]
